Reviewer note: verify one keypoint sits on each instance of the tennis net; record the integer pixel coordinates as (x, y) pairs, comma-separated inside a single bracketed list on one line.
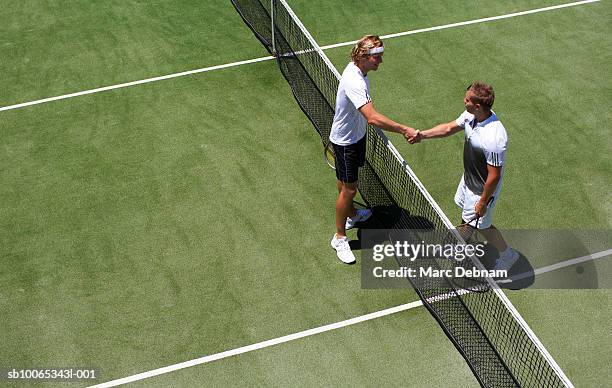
[(496, 342)]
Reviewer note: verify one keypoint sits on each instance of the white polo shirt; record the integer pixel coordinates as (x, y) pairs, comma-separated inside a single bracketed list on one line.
[(349, 124), (485, 143)]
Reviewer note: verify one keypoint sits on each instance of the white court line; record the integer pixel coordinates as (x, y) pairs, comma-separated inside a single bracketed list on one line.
[(466, 23), (322, 329), (260, 345), (206, 69), (556, 266), (578, 260), (140, 82)]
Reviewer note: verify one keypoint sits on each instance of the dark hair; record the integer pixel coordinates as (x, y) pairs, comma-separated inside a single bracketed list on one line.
[(483, 94)]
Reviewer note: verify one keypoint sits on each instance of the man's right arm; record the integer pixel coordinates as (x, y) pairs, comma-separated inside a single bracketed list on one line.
[(441, 130), (381, 121)]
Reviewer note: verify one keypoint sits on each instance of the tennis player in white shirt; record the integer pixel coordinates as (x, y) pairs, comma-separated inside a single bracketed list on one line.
[(354, 110), (484, 154)]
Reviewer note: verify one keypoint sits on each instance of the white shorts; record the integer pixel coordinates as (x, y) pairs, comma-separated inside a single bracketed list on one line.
[(466, 200)]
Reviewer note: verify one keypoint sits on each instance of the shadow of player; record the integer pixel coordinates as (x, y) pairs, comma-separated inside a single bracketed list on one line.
[(388, 223)]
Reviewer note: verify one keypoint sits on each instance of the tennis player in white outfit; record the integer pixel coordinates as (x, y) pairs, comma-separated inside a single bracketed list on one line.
[(354, 110), (484, 154)]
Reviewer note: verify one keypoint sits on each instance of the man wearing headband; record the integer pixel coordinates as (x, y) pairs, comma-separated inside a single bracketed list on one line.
[(354, 110)]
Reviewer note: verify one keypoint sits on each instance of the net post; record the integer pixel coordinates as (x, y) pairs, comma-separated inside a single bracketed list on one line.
[(272, 28)]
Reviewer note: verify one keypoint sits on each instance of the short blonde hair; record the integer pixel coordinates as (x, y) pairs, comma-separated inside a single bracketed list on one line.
[(360, 50)]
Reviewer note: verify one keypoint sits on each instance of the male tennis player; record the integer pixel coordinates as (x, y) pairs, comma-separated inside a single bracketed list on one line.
[(484, 154), (354, 110)]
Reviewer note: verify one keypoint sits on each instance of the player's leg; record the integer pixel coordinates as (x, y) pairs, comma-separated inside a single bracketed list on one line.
[(495, 238), (347, 175), (344, 206), (355, 216), (462, 199), (484, 225), (507, 255), (348, 160)]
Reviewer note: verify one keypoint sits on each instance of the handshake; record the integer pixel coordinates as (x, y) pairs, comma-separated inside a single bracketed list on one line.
[(412, 135)]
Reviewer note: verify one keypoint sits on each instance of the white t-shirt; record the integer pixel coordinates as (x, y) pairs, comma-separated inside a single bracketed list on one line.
[(485, 143), (349, 124)]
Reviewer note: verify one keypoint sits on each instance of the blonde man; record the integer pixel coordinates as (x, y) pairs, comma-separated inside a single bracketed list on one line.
[(354, 110)]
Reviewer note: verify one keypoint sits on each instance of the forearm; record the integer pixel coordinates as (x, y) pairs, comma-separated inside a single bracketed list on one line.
[(489, 188), (383, 122), (440, 130)]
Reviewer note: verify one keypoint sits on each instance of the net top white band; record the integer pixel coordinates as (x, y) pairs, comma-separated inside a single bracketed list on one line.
[(376, 50)]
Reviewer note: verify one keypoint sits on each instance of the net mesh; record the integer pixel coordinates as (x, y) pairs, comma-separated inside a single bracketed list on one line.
[(494, 343)]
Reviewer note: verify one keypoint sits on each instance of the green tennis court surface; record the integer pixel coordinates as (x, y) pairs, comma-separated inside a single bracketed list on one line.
[(151, 225)]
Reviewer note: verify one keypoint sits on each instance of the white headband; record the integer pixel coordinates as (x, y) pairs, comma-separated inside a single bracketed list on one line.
[(376, 50)]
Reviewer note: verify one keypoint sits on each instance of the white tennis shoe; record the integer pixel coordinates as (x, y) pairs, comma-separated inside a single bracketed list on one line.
[(343, 249), (362, 215), (507, 260)]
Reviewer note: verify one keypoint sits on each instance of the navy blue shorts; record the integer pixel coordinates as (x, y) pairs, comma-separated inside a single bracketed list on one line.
[(348, 160)]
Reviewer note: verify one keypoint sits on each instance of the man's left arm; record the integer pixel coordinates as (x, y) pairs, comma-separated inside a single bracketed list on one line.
[(493, 176)]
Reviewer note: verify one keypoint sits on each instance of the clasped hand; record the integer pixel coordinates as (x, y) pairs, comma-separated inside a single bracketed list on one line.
[(412, 135)]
